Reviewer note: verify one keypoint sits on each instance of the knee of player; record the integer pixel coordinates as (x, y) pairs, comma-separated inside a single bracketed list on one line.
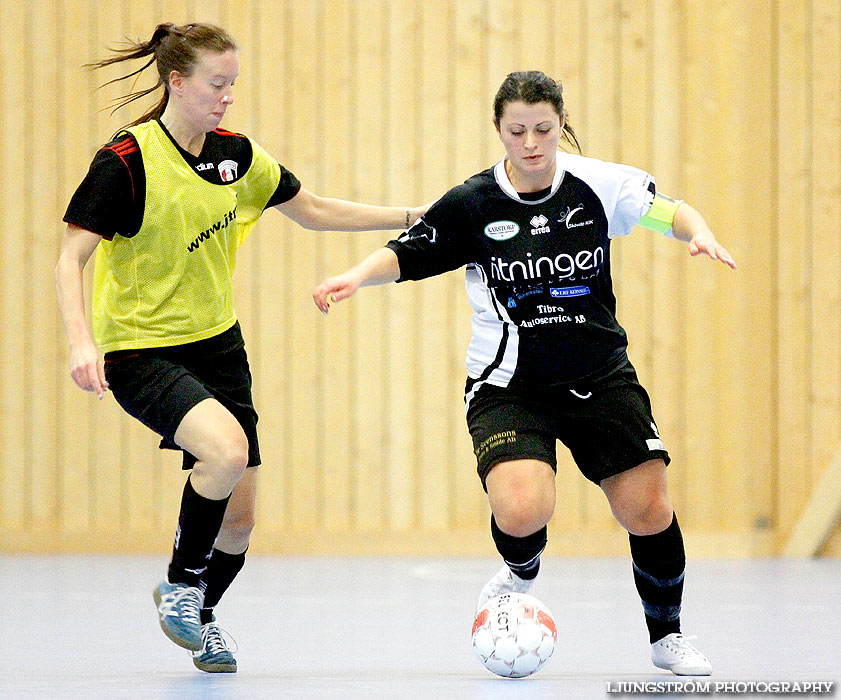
[(648, 516), (523, 516), (232, 456), (239, 522)]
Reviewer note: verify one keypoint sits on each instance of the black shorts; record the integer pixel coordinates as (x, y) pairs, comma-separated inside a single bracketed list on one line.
[(606, 424), (158, 386)]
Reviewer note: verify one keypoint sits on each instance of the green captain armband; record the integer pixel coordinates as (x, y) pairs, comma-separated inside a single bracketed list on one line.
[(662, 213)]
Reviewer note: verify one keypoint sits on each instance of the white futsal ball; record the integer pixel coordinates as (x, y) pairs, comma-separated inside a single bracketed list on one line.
[(514, 635)]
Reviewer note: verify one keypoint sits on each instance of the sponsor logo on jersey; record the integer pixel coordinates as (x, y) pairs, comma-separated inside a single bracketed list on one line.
[(208, 232), (567, 218), (502, 230), (539, 223), (520, 295), (228, 170), (562, 266), (561, 292), (204, 166)]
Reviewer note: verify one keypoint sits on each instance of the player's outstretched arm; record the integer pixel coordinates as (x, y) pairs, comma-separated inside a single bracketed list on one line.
[(380, 267), (689, 226), (326, 214)]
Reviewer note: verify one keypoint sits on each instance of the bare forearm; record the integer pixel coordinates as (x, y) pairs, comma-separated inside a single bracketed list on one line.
[(380, 267), (327, 214), (341, 215), (71, 301), (688, 223)]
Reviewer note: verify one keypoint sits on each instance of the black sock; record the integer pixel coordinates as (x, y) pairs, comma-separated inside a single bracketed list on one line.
[(198, 527), (522, 554), (659, 565), (222, 569)]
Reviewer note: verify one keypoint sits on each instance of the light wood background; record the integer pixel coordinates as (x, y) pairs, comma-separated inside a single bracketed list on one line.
[(734, 106)]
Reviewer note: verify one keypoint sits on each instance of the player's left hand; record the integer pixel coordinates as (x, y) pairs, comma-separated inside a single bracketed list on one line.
[(706, 244)]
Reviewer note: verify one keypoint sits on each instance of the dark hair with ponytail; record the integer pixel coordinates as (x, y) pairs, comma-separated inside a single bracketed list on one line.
[(532, 87), (171, 48)]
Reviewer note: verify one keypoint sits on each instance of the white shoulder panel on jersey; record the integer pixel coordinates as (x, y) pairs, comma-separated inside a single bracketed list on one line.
[(626, 192)]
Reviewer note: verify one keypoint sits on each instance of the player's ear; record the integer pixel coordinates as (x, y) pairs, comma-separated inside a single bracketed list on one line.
[(176, 81)]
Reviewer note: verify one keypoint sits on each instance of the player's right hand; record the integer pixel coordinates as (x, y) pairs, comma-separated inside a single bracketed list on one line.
[(88, 369), (334, 289)]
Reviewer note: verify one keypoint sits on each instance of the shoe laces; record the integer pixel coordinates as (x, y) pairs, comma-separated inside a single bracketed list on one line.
[(680, 645), (184, 602), (213, 639)]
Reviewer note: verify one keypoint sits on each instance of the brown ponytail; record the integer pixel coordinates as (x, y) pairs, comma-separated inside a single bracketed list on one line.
[(172, 48)]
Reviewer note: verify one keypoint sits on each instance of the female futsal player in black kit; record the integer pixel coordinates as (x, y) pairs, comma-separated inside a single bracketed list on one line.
[(547, 359), (165, 206)]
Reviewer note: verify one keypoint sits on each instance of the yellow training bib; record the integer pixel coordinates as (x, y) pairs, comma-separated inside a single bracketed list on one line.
[(172, 282)]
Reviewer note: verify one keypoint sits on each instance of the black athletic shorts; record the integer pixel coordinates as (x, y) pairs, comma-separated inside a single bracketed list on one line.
[(606, 424), (158, 386)]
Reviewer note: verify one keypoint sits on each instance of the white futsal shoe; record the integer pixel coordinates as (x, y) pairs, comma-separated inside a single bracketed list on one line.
[(505, 581), (674, 653)]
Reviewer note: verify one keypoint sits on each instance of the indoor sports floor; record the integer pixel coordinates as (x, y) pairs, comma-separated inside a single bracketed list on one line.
[(84, 628)]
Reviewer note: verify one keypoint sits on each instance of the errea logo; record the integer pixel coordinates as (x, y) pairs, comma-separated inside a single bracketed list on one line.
[(539, 222), (502, 230)]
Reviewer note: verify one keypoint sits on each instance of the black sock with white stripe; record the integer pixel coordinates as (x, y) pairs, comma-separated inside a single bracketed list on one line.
[(199, 523), (659, 565), (522, 554), (221, 572)]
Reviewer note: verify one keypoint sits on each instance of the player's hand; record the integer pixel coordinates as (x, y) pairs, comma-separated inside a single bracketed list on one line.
[(334, 289), (707, 244), (87, 368)]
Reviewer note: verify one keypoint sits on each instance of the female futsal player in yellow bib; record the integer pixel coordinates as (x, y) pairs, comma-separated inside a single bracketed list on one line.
[(164, 206)]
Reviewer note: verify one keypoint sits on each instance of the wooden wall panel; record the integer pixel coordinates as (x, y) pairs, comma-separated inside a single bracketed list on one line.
[(793, 265), (404, 149), (733, 106), (825, 241), (15, 506)]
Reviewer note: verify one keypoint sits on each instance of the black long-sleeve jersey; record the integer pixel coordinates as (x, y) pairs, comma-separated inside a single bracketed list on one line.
[(538, 268)]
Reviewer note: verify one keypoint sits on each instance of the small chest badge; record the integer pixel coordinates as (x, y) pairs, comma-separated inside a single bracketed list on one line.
[(502, 230), (228, 170)]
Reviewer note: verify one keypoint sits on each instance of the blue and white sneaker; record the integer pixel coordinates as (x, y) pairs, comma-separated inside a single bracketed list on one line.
[(178, 612), (215, 656)]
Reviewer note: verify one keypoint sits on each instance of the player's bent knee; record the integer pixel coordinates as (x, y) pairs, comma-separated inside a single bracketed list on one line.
[(521, 520), (646, 518), (238, 528), (226, 463), (240, 520), (522, 496)]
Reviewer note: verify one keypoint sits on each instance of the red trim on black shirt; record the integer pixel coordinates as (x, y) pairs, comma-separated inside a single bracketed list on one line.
[(123, 148), (225, 132)]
